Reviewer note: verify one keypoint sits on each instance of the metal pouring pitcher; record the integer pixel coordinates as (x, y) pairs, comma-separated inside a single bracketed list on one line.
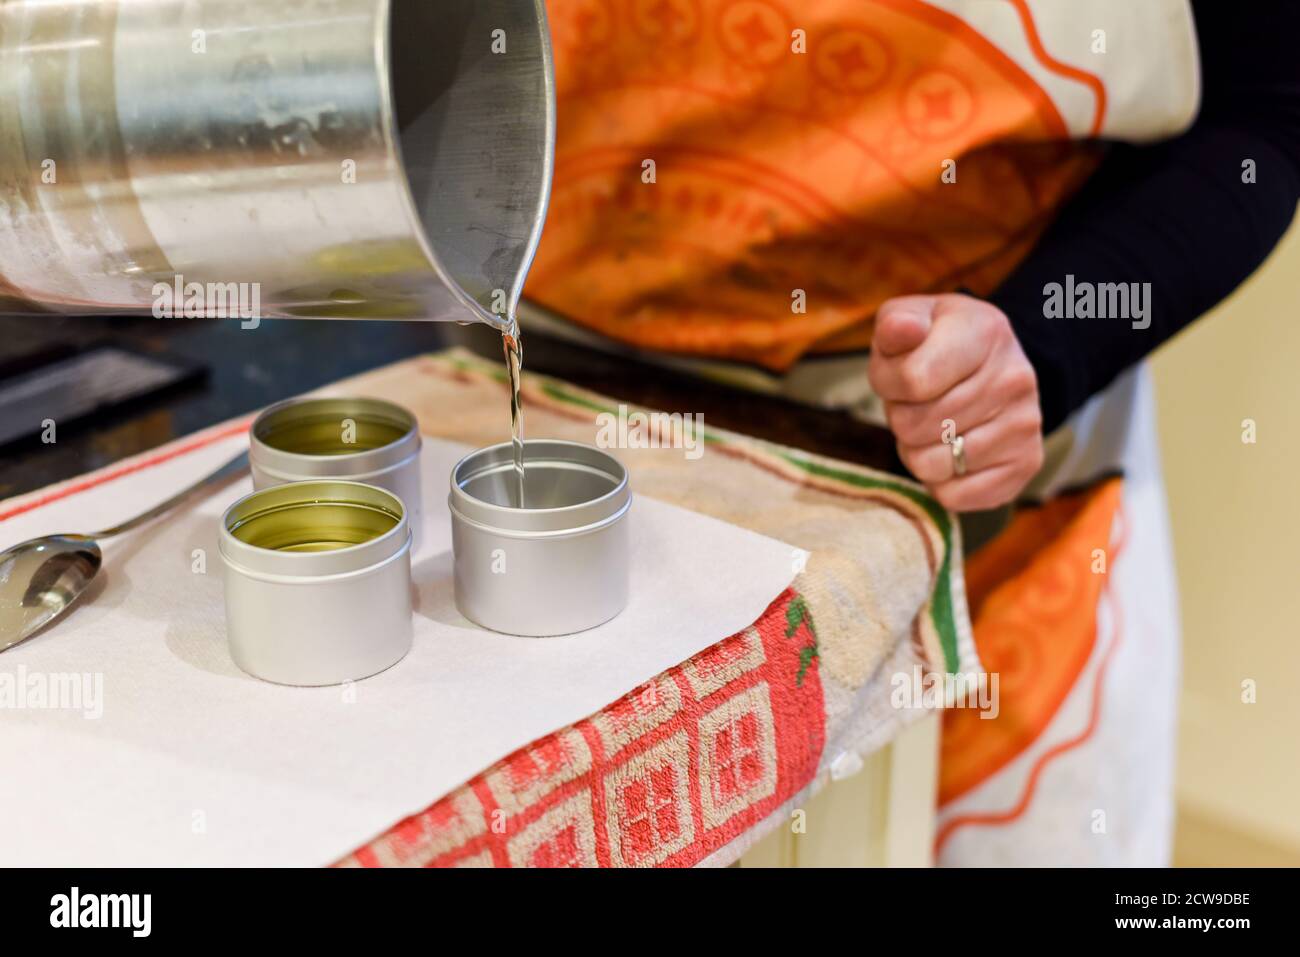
[(362, 159)]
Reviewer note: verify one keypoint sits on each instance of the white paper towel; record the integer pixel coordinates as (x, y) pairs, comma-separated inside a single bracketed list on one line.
[(192, 762)]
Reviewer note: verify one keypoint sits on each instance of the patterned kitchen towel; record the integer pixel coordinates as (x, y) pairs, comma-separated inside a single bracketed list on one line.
[(693, 765)]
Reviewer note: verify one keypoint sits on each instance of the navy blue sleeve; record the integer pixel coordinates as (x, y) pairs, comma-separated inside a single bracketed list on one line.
[(1177, 214)]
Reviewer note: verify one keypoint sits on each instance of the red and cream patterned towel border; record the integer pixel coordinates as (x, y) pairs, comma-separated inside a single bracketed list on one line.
[(665, 776)]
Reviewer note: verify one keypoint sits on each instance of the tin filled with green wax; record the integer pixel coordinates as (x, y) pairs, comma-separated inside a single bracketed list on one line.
[(318, 582), (343, 438)]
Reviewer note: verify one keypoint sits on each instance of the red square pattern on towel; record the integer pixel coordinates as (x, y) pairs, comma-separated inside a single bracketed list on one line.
[(665, 776)]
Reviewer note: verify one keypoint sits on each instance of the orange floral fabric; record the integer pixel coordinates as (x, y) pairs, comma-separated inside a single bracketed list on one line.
[(795, 147), (1033, 596)]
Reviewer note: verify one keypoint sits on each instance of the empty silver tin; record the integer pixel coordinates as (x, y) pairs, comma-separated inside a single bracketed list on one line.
[(349, 439), (560, 565), (318, 582)]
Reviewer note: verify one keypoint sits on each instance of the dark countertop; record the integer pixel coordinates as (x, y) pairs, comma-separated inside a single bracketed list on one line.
[(249, 369)]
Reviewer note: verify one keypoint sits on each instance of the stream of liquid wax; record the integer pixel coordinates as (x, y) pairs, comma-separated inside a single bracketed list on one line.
[(514, 363)]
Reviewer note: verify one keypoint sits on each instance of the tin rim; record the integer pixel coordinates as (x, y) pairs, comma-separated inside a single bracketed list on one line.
[(584, 515), (356, 466), (312, 565)]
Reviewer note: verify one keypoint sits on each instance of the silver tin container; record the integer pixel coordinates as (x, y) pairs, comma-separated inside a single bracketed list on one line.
[(352, 440), (318, 582), (560, 565)]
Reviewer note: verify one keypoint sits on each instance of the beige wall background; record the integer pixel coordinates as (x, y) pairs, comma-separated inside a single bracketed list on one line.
[(1236, 524)]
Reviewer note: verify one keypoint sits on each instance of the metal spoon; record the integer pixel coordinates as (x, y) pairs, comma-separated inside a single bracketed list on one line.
[(40, 579)]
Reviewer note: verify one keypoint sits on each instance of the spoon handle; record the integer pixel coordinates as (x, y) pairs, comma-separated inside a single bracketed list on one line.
[(231, 469)]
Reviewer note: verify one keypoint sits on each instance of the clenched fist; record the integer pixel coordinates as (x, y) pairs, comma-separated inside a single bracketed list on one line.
[(947, 366)]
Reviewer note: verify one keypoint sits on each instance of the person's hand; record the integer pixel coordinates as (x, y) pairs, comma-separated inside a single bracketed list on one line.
[(947, 366)]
